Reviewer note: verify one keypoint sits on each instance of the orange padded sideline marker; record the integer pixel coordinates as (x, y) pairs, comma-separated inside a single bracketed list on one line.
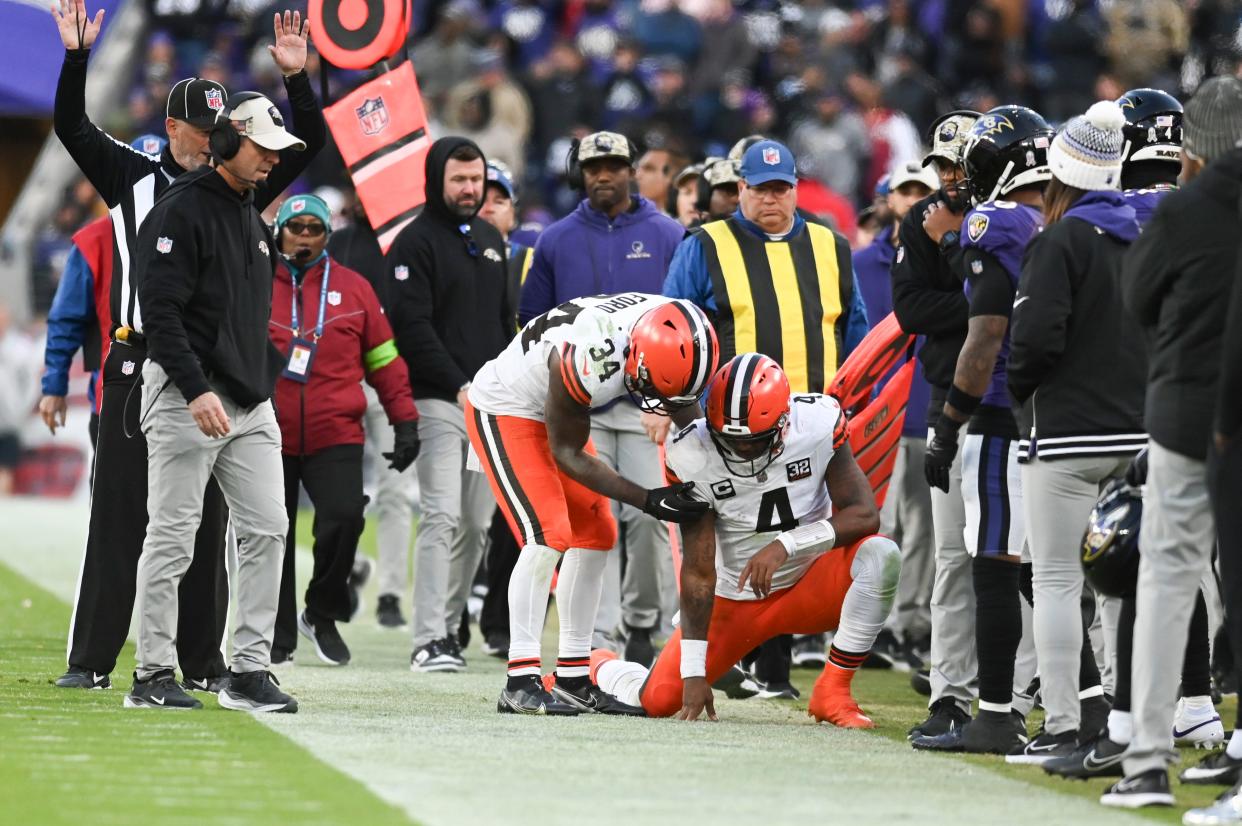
[(875, 432), (381, 131), (357, 34)]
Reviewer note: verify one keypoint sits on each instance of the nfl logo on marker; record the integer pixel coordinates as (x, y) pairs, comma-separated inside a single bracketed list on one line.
[(401, 273), (215, 101), (127, 368), (163, 245), (334, 298), (372, 116), (771, 157)]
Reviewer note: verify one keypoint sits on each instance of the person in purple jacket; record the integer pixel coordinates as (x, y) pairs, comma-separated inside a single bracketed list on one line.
[(1152, 149), (615, 241)]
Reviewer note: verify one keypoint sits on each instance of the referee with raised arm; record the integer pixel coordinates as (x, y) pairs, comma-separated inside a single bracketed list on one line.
[(129, 182)]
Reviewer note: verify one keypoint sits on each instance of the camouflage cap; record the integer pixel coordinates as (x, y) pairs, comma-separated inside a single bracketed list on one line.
[(948, 136), (604, 145)]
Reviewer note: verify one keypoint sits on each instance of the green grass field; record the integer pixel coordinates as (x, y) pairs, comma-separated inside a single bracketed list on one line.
[(374, 743)]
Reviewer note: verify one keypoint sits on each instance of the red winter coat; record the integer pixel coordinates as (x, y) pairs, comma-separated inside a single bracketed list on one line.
[(357, 344)]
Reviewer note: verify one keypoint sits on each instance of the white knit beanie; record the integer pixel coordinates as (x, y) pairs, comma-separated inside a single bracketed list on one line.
[(1086, 153)]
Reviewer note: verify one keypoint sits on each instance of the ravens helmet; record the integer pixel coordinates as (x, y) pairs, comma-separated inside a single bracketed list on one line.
[(1110, 547), (1153, 130), (1007, 148)]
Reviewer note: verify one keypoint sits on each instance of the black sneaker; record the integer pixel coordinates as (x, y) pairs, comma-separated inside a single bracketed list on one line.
[(160, 691), (783, 690), (1094, 714), (1044, 747), (452, 648), (810, 651), (885, 652), (945, 716), (77, 677), (530, 697), (992, 732), (281, 655), (1217, 768), (1100, 757), (432, 657), (496, 644), (212, 685), (737, 684), (328, 643), (256, 691), (916, 651), (638, 646), (591, 698), (1151, 788), (358, 577), (920, 680), (388, 612)]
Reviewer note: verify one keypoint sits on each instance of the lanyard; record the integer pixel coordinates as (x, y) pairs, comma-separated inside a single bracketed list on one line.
[(323, 303)]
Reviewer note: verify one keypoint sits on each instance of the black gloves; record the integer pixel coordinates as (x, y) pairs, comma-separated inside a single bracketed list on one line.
[(673, 503), (1136, 473), (940, 453), (405, 445)]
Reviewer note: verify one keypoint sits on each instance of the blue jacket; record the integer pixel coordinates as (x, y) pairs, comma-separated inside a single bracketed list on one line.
[(688, 278), (586, 254), (68, 323)]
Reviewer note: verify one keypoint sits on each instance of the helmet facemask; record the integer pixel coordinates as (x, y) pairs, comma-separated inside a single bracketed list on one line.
[(748, 454)]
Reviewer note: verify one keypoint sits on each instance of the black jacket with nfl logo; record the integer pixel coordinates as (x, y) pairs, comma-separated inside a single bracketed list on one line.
[(203, 264), (447, 290)]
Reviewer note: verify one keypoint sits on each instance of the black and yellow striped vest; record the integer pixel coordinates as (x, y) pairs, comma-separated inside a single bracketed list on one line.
[(785, 299)]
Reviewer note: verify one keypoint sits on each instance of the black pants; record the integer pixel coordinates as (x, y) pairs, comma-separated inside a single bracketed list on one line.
[(502, 556), (333, 480), (1225, 489), (118, 526)]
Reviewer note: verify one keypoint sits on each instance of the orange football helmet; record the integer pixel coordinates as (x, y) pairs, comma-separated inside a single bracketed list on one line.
[(748, 413), (672, 355)]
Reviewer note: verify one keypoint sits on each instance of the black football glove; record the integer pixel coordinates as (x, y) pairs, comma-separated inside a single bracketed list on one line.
[(673, 503), (405, 445), (940, 453), (1136, 473)]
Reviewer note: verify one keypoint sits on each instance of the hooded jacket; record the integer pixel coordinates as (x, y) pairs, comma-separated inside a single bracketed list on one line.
[(1176, 281), (1077, 364), (203, 265), (447, 282), (585, 253), (357, 343)]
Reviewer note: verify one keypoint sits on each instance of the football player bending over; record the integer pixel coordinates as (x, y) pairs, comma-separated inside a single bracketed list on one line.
[(528, 416), (789, 547)]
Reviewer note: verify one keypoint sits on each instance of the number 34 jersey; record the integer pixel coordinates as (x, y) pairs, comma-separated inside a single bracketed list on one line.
[(750, 512), (593, 337)]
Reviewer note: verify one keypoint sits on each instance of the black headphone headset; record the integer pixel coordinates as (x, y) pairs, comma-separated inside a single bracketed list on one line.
[(224, 140), (573, 168)]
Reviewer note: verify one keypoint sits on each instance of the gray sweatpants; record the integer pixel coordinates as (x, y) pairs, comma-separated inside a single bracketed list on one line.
[(247, 466), (1175, 545), (1058, 497), (907, 518), (393, 500), (457, 506), (648, 589), (953, 662)]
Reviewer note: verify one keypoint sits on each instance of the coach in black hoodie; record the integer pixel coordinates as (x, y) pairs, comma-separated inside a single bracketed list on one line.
[(446, 294)]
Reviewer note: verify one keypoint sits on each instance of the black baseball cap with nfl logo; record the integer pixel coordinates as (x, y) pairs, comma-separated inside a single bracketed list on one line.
[(196, 101)]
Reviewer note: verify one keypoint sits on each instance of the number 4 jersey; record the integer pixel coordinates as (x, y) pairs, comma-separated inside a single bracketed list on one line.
[(593, 337), (750, 512)]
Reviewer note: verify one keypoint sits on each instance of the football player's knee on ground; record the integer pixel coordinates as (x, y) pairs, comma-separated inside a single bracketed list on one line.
[(624, 680), (874, 570)]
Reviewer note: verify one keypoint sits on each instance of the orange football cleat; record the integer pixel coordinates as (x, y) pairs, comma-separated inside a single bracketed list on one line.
[(599, 656), (831, 701)]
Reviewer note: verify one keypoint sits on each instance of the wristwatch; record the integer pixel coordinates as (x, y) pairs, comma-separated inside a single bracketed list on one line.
[(949, 240)]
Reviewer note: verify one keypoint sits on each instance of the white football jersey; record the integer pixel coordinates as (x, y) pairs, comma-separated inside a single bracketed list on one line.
[(592, 334), (750, 512)]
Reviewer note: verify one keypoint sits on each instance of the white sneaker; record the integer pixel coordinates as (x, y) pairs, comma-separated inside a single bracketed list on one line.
[(1226, 809), (1199, 727)]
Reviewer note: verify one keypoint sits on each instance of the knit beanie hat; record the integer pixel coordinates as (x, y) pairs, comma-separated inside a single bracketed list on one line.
[(304, 205), (1086, 153), (1212, 122)]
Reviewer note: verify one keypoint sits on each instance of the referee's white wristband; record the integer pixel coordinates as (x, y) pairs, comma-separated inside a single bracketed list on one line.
[(693, 658), (808, 539)]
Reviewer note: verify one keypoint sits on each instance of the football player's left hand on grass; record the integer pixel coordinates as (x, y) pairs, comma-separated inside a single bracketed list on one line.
[(696, 697), (761, 567)]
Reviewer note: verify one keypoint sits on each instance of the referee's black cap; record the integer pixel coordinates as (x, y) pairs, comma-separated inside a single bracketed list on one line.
[(196, 101)]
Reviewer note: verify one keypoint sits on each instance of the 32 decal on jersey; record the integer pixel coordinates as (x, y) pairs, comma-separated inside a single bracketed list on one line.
[(800, 469)]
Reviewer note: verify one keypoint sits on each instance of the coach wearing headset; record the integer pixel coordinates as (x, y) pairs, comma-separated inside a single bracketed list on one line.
[(204, 262)]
